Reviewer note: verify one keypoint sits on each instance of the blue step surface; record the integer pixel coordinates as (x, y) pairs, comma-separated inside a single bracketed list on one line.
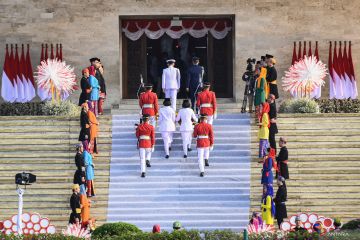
[(172, 190)]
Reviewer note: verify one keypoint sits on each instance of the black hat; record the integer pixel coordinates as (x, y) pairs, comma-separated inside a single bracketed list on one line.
[(148, 85), (269, 56), (195, 58), (206, 84), (167, 102), (145, 116), (263, 58), (186, 103), (94, 59)]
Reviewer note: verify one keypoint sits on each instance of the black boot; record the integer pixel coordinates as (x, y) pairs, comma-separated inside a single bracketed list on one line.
[(169, 148), (167, 156), (148, 163), (202, 174), (189, 149), (207, 163), (142, 174), (185, 156)]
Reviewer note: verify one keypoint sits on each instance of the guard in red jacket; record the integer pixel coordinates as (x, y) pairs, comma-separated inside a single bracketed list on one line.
[(206, 103), (204, 134), (146, 142), (148, 102)]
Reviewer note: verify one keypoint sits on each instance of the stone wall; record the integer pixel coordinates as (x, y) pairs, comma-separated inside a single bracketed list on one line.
[(89, 28)]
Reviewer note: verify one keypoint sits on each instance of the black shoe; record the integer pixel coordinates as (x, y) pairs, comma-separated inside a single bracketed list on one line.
[(207, 163), (167, 156), (169, 148), (185, 156), (202, 174), (148, 163), (189, 149), (143, 175)]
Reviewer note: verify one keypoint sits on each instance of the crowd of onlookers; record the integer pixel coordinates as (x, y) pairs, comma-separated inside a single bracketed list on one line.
[(91, 101)]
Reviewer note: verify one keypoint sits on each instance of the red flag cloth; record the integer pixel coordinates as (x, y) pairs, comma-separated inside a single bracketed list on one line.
[(19, 81), (46, 52), (330, 64), (11, 66), (340, 62), (42, 57), (57, 51), (294, 57), (310, 52), (29, 66), (60, 53), (351, 65), (52, 51), (332, 83), (354, 93), (7, 86), (25, 77), (316, 51), (304, 51), (299, 52)]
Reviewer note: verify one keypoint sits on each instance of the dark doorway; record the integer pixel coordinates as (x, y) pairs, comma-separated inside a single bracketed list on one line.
[(147, 57)]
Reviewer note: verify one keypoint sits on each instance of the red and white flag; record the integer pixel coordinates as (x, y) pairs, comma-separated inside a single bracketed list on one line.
[(354, 92), (332, 87), (347, 74), (7, 87), (342, 71), (12, 73), (337, 76), (19, 80), (317, 91), (294, 57), (23, 74), (41, 92), (29, 74)]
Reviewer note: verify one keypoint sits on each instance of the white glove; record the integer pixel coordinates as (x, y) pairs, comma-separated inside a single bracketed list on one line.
[(212, 148), (153, 149), (215, 115)]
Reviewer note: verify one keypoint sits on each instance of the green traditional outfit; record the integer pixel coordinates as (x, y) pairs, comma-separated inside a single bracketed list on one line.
[(260, 92)]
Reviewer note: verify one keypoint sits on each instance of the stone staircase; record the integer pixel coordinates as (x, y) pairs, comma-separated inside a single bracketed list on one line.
[(44, 146), (323, 164), (172, 190)]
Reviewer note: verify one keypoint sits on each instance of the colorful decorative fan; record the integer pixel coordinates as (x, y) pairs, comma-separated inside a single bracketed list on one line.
[(32, 223), (76, 231), (304, 77), (307, 221), (252, 229), (56, 77)]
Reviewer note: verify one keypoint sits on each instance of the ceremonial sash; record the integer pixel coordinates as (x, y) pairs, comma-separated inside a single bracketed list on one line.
[(148, 106), (78, 210), (204, 105), (144, 137)]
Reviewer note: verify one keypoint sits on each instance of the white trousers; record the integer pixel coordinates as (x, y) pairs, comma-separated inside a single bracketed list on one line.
[(186, 140), (152, 121), (145, 154), (172, 94), (210, 119), (167, 138), (203, 153)]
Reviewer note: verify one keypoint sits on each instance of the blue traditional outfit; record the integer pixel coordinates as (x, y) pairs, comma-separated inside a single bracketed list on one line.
[(95, 90), (267, 176), (89, 173)]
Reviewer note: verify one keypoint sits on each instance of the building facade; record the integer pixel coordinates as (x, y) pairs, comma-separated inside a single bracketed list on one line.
[(94, 28)]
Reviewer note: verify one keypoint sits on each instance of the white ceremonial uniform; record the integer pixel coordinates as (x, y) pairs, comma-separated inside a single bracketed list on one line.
[(187, 116), (166, 123), (145, 154), (203, 153), (171, 84)]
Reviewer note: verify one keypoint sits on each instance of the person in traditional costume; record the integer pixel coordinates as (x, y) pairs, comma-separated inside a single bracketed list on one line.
[(79, 158), (145, 134), (256, 220), (206, 103), (99, 75), (204, 134), (166, 123), (85, 87), (75, 205), (279, 200), (85, 207), (84, 123), (148, 102), (271, 76), (79, 176), (263, 133), (282, 159), (94, 128), (267, 205), (89, 172), (186, 118), (267, 176), (273, 130), (95, 90), (194, 79), (260, 91)]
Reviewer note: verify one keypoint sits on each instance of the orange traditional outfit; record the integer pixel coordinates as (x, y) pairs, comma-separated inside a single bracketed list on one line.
[(94, 127), (85, 208)]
